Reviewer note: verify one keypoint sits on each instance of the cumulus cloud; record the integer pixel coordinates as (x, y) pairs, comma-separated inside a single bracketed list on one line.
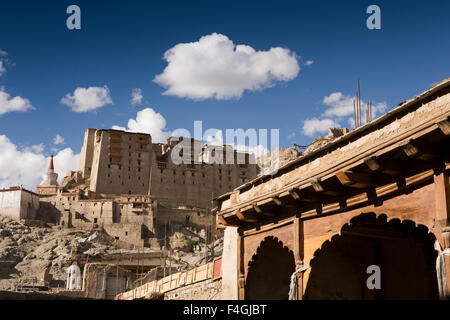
[(26, 166), (339, 109), (341, 105), (148, 121), (214, 67), (58, 140), (87, 99), (8, 104), (315, 125), (136, 96)]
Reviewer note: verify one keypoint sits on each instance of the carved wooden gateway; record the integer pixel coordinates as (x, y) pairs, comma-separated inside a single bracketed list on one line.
[(377, 196)]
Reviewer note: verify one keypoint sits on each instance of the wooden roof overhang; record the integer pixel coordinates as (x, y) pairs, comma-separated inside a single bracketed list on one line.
[(398, 151)]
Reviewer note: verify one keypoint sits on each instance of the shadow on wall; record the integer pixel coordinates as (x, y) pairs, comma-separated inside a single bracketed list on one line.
[(269, 271), (403, 250)]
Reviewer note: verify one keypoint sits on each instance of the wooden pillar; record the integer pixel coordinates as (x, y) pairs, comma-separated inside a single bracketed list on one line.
[(442, 203), (241, 267), (299, 253), (298, 242)]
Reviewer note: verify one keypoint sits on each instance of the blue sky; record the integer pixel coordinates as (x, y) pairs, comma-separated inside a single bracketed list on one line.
[(121, 45)]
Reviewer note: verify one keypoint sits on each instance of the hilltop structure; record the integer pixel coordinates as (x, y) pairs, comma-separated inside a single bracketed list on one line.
[(135, 190), (50, 183), (116, 162)]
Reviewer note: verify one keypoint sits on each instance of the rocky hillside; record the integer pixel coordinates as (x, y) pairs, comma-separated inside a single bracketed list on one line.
[(26, 251)]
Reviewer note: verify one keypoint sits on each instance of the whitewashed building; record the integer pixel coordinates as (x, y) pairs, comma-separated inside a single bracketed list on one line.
[(18, 203)]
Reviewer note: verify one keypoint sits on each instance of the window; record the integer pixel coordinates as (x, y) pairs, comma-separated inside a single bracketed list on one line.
[(95, 220)]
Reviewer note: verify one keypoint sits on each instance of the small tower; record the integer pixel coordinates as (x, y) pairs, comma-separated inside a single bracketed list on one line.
[(50, 183)]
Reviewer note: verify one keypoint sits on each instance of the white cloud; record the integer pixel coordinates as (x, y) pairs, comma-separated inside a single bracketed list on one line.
[(340, 108), (341, 105), (84, 100), (58, 140), (291, 135), (314, 125), (17, 103), (136, 96), (27, 166), (148, 121), (214, 67), (308, 62)]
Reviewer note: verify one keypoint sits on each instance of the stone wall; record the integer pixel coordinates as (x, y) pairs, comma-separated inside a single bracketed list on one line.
[(205, 290), (128, 218)]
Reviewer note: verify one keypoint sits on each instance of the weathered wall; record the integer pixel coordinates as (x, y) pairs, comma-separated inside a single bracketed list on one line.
[(119, 162), (10, 204), (127, 218), (230, 264), (205, 290), (18, 204), (104, 281)]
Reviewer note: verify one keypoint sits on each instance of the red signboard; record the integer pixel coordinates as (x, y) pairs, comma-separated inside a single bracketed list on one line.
[(217, 268)]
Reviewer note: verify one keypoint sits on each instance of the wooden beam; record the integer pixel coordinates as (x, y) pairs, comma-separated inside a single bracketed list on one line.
[(259, 211), (317, 185), (442, 198), (226, 222), (294, 194), (373, 164), (246, 217), (277, 200), (444, 126), (354, 179), (411, 150), (256, 208)]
